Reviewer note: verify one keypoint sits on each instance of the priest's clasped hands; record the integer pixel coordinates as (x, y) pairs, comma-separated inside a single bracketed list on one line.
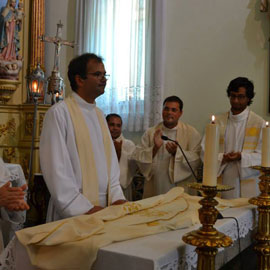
[(158, 142), (232, 156)]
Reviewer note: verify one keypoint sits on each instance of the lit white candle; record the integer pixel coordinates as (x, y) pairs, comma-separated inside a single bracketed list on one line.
[(266, 146), (211, 154)]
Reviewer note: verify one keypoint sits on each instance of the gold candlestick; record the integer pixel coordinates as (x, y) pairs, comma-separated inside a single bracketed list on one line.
[(262, 237), (207, 239)]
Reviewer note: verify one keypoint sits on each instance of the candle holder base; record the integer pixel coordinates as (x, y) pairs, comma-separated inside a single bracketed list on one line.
[(262, 237), (207, 239)]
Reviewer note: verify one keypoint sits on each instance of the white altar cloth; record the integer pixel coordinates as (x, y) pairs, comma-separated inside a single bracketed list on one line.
[(164, 251)]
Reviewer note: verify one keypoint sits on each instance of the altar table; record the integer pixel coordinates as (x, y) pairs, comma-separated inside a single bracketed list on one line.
[(164, 251)]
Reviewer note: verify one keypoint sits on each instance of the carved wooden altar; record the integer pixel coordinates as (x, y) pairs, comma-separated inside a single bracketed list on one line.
[(16, 116)]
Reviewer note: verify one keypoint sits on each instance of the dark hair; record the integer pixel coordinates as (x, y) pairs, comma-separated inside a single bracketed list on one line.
[(78, 66), (242, 82), (174, 99), (109, 116)]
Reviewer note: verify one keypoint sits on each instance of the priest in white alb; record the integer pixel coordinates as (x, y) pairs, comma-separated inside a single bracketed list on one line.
[(77, 156), (240, 141), (161, 162), (124, 149)]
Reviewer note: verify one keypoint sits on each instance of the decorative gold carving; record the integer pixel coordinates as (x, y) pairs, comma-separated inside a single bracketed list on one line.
[(8, 128), (8, 154), (29, 118), (262, 247), (207, 239), (7, 88), (41, 119)]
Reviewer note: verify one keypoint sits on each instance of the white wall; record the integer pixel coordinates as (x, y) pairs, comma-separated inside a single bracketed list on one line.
[(208, 43)]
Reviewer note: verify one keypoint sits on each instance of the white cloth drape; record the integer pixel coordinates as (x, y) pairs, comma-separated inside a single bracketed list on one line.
[(129, 35)]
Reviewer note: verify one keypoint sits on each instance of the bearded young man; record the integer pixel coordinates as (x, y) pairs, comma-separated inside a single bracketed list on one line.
[(161, 162)]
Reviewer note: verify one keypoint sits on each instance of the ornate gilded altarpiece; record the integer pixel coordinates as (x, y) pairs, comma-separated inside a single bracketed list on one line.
[(16, 116)]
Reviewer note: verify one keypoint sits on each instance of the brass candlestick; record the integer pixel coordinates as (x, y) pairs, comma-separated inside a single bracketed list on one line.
[(262, 237), (207, 239)]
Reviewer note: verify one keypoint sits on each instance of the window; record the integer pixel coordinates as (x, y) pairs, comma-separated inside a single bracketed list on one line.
[(120, 31)]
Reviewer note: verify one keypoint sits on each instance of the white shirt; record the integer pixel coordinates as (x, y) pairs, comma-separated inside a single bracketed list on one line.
[(61, 166), (127, 166), (235, 131)]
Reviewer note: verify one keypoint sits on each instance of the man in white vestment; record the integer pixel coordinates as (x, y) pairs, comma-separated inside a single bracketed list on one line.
[(240, 141), (77, 156), (11, 201), (124, 149), (161, 162)]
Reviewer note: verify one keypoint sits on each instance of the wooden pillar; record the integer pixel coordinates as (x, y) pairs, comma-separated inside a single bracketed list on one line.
[(37, 30)]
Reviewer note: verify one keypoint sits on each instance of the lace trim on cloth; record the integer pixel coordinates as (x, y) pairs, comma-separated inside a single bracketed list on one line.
[(8, 257), (16, 174), (176, 265), (247, 222)]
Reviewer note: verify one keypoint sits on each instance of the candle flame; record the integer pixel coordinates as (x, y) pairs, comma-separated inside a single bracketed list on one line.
[(267, 124), (35, 87), (213, 119), (57, 94)]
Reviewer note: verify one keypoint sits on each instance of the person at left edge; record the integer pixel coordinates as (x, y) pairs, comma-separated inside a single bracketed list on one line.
[(77, 156)]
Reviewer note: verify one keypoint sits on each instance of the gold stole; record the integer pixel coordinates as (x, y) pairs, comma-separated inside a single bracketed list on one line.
[(252, 134), (252, 131), (90, 185), (181, 136)]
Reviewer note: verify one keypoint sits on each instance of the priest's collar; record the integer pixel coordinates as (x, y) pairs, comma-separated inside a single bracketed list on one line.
[(165, 128), (82, 102), (239, 117), (120, 138)]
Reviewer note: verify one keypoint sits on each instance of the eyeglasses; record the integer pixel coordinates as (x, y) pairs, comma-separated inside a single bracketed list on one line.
[(99, 75), (239, 97)]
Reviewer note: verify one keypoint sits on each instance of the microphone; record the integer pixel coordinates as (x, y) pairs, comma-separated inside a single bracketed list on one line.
[(165, 138)]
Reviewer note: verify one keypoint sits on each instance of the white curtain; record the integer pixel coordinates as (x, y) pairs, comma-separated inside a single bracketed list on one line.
[(129, 35)]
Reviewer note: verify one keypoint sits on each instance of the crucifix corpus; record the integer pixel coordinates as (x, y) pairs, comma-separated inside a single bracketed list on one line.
[(55, 81)]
